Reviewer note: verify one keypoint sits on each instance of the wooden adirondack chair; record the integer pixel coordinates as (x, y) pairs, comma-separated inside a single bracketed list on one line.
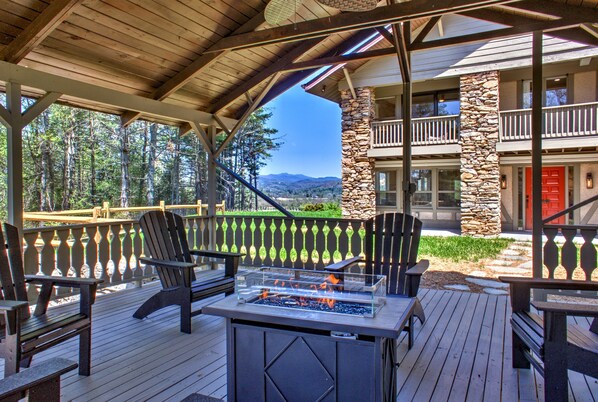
[(391, 245), (166, 240), (25, 335)]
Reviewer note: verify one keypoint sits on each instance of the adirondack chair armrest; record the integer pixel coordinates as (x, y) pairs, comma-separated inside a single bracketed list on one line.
[(71, 282), (584, 310), (520, 288), (419, 268), (168, 264), (413, 277), (39, 379), (343, 265), (87, 286), (10, 311), (215, 254), (231, 260), (11, 305)]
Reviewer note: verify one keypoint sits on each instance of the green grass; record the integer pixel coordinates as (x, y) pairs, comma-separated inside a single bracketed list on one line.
[(461, 248)]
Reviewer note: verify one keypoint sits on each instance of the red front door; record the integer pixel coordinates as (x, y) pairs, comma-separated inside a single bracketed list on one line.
[(553, 193)]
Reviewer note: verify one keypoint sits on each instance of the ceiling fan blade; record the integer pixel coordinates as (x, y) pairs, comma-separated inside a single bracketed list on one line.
[(350, 5), (278, 11)]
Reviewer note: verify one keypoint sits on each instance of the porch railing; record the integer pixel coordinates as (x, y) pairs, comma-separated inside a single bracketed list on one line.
[(111, 251), (559, 122), (439, 130), (569, 257)]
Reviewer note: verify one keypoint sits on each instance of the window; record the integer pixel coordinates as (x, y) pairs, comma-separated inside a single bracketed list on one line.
[(386, 189), (441, 103), (423, 186), (555, 92), (449, 188), (386, 108)]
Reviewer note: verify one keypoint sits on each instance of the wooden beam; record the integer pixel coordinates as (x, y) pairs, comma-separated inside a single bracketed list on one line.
[(52, 16), (53, 83), (591, 29), (204, 138), (192, 70), (4, 117), (571, 34), (14, 155), (250, 109), (537, 120), (295, 78), (552, 8), (343, 22), (273, 68), (350, 83), (387, 35), (497, 33), (39, 106), (400, 46), (344, 58), (426, 29)]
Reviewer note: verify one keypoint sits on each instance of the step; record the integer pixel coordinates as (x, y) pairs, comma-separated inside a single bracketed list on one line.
[(516, 257), (487, 283)]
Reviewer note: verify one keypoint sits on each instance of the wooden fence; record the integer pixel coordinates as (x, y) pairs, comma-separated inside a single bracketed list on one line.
[(111, 251)]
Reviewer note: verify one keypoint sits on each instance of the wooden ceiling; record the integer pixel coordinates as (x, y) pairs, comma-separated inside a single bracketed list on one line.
[(217, 56)]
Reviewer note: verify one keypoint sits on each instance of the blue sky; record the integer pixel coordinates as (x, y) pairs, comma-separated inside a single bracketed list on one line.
[(310, 128)]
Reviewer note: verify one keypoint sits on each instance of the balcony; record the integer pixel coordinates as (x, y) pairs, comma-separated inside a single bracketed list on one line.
[(560, 122)]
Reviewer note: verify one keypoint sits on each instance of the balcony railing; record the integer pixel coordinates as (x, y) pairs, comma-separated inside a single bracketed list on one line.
[(439, 130), (559, 122), (111, 251), (568, 121)]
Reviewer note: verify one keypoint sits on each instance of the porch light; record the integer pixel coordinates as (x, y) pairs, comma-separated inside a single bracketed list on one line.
[(503, 181), (589, 181)]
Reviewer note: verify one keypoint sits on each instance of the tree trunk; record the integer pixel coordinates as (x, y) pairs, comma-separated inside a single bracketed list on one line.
[(69, 165), (151, 165), (46, 179), (125, 179), (92, 160), (143, 161), (175, 179)]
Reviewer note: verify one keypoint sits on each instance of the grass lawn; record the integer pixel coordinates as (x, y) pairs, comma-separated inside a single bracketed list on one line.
[(461, 248)]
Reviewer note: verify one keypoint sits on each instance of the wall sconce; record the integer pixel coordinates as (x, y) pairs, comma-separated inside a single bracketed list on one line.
[(503, 181), (589, 181)]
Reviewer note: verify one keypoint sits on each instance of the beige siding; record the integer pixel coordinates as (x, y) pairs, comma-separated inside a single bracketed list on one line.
[(508, 95), (584, 87), (586, 193)]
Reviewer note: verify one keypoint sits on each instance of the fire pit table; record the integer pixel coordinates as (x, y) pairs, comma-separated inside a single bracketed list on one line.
[(302, 335)]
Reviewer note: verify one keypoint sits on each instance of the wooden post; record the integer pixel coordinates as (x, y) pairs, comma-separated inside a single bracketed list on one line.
[(106, 208), (212, 187), (162, 206), (15, 155), (537, 154), (198, 207), (407, 101)]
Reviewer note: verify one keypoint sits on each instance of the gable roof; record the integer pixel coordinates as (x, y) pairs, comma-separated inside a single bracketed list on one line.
[(205, 55)]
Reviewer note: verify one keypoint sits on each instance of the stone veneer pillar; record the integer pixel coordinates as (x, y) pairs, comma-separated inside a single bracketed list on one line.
[(480, 174), (359, 193)]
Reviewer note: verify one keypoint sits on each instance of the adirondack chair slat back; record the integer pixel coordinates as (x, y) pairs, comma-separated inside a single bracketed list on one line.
[(391, 245), (12, 273), (166, 239)]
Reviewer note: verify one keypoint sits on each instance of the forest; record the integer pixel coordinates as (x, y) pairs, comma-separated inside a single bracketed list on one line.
[(76, 158)]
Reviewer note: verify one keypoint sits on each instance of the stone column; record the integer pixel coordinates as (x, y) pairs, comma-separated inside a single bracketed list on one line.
[(359, 194), (480, 174)]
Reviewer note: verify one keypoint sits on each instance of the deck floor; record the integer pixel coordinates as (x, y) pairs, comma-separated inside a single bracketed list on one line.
[(462, 352)]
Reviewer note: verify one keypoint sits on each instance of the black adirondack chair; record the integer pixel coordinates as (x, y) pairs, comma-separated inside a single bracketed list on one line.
[(391, 245), (24, 335), (547, 341), (166, 241)]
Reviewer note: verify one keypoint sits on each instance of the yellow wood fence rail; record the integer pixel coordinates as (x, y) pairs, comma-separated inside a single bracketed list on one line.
[(105, 212)]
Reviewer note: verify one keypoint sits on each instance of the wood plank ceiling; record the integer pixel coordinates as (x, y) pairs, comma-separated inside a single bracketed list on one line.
[(217, 55)]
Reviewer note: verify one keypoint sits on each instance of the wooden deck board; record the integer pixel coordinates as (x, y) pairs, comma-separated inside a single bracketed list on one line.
[(462, 352)]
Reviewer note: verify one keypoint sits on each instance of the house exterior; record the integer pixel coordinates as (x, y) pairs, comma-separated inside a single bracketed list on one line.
[(471, 131)]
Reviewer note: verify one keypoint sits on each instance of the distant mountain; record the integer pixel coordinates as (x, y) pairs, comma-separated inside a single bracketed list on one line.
[(286, 185)]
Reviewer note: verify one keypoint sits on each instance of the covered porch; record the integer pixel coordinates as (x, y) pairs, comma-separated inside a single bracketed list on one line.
[(462, 352)]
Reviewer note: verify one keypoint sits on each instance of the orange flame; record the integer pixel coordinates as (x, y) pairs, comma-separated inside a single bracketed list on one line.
[(264, 294), (333, 279)]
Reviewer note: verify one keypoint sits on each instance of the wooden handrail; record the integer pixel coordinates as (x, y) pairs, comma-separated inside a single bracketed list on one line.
[(570, 209)]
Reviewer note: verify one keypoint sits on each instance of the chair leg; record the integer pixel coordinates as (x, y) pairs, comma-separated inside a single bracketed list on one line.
[(186, 317), (85, 352), (156, 302), (410, 332), (518, 350), (418, 311), (11, 355), (556, 383)]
